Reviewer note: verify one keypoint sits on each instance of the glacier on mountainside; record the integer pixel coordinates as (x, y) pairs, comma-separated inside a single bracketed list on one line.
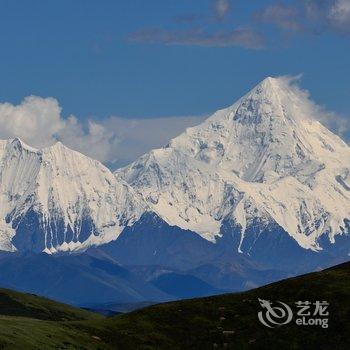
[(264, 158), (56, 199), (263, 172)]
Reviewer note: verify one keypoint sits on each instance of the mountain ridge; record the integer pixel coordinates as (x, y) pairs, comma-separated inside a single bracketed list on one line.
[(263, 165), (225, 321), (67, 197), (263, 157)]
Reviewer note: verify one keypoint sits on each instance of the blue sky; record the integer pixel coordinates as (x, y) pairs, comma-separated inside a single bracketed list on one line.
[(165, 58)]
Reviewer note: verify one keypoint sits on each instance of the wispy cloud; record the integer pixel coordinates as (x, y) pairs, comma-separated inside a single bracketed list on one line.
[(208, 30), (286, 17), (242, 36), (309, 16), (216, 28), (330, 15), (137, 136), (221, 8), (113, 140), (310, 109), (218, 11)]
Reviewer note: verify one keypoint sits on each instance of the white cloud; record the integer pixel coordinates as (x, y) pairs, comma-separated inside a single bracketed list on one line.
[(92, 139), (339, 15), (36, 120), (137, 136), (307, 16), (118, 141), (222, 8), (39, 123), (331, 120)]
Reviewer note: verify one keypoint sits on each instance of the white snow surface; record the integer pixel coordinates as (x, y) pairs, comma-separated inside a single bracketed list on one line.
[(59, 182), (266, 156)]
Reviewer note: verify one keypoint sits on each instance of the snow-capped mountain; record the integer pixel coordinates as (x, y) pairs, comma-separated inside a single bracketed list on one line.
[(264, 164), (56, 199), (262, 177)]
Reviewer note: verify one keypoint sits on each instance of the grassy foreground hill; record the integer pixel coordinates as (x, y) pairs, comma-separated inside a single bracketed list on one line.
[(31, 322), (222, 322)]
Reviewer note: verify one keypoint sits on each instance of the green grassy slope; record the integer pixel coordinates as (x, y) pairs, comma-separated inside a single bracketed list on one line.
[(227, 321), (14, 303), (31, 322), (27, 333)]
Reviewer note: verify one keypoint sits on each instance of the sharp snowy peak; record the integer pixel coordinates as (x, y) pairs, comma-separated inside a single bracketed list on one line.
[(264, 161), (254, 173), (56, 199)]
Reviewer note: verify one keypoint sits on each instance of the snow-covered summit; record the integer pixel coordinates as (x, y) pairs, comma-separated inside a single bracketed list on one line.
[(270, 129), (264, 158), (56, 199), (261, 166)]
